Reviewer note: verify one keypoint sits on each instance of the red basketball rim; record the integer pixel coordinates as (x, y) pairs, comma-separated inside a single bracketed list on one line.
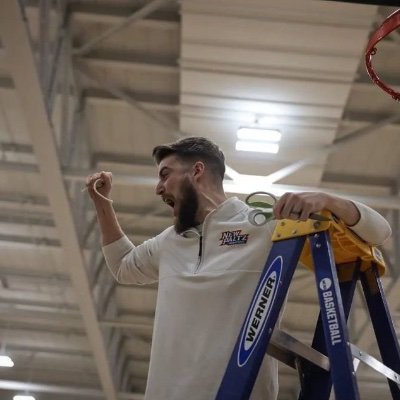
[(391, 23)]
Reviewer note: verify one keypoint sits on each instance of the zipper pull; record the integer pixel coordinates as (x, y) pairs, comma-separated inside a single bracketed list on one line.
[(200, 246)]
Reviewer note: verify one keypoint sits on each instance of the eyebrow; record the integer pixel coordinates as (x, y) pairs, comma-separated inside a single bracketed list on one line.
[(162, 170)]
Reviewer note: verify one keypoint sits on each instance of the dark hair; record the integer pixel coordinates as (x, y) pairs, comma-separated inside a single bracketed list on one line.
[(193, 149)]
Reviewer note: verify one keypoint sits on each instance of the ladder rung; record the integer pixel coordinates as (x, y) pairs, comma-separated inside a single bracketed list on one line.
[(287, 348), (374, 363)]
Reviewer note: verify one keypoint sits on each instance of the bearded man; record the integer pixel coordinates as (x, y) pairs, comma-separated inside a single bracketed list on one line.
[(205, 283)]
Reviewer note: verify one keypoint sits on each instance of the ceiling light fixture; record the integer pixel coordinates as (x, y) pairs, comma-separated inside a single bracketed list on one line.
[(259, 134), (23, 397), (262, 147), (258, 139), (5, 361)]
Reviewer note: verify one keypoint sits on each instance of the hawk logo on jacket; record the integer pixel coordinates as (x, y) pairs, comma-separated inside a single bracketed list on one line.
[(230, 238)]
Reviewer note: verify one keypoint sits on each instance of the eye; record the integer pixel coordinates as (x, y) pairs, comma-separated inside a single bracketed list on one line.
[(163, 177)]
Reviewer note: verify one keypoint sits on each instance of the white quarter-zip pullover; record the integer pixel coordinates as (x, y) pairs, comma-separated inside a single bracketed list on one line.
[(205, 285)]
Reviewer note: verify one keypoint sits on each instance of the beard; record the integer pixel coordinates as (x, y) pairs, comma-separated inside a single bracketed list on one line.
[(188, 207)]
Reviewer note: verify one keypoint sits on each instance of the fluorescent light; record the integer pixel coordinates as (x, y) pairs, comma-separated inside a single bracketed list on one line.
[(260, 134), (262, 147), (23, 397), (6, 361)]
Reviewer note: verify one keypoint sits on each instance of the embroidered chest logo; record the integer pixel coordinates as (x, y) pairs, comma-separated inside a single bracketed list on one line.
[(230, 238)]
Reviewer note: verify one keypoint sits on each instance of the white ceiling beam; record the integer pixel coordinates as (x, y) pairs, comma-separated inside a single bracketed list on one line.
[(37, 206), (170, 104), (325, 150), (34, 300), (51, 340), (23, 218), (361, 180), (49, 319), (16, 147), (18, 166), (36, 242), (247, 186), (34, 275), (38, 349), (252, 69), (28, 219), (357, 117), (57, 317), (166, 103), (20, 55), (133, 62), (150, 102), (241, 187), (364, 82), (24, 203)]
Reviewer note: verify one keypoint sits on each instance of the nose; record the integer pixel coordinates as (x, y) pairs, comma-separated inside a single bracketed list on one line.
[(159, 188)]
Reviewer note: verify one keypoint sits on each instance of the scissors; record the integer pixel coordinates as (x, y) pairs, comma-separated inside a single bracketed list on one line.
[(265, 209)]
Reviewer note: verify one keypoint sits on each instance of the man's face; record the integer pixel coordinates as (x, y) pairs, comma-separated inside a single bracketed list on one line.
[(176, 189)]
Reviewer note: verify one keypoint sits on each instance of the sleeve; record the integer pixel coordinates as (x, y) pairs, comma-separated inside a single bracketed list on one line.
[(371, 227), (133, 264)]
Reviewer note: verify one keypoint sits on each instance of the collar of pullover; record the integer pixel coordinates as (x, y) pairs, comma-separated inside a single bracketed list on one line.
[(224, 211)]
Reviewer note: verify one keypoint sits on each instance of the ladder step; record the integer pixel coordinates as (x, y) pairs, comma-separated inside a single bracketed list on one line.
[(286, 348), (374, 363)]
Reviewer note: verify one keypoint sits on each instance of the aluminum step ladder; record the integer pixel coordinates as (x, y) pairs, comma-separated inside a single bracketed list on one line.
[(339, 259)]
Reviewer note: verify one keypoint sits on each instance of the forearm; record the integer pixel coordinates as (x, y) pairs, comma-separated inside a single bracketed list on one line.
[(133, 264), (344, 209), (361, 219), (371, 227), (108, 222)]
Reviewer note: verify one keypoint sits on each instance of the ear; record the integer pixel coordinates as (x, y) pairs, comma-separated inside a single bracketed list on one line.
[(198, 169)]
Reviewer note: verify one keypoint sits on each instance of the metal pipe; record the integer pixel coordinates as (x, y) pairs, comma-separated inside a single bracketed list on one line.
[(137, 15)]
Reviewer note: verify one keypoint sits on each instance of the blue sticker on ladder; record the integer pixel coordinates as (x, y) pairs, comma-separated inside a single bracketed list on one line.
[(260, 307)]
